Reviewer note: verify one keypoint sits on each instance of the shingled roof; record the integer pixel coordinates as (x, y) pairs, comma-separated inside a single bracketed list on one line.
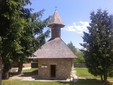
[(56, 20), (55, 48)]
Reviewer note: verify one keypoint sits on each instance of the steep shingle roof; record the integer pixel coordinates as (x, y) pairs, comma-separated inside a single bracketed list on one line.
[(56, 20), (55, 48)]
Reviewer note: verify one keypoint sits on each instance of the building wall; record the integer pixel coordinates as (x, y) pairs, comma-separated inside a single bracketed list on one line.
[(27, 65), (63, 68)]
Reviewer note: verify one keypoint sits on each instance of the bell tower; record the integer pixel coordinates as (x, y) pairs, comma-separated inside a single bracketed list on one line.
[(55, 24)]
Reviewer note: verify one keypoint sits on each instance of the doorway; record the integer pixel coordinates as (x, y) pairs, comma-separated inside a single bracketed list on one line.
[(53, 71)]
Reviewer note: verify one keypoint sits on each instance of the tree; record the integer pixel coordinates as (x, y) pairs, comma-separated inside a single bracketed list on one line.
[(80, 58), (98, 44), (77, 52), (17, 30), (11, 28), (72, 47), (33, 38)]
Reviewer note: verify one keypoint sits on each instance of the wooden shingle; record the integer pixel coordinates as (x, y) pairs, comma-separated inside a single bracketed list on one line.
[(55, 48)]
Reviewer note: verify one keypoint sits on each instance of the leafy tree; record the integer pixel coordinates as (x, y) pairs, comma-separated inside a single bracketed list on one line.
[(11, 27), (33, 37), (72, 47), (17, 30), (98, 44), (80, 58), (77, 52)]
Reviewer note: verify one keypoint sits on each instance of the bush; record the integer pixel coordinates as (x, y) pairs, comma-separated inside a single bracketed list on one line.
[(111, 74)]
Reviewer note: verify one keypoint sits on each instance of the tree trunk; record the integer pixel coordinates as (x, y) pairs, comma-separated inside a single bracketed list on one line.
[(20, 66), (101, 77), (105, 78), (6, 68), (5, 75)]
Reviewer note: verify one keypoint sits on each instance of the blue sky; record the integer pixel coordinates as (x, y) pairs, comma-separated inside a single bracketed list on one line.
[(74, 13)]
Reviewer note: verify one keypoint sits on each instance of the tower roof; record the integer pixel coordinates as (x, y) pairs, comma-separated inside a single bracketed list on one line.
[(56, 20)]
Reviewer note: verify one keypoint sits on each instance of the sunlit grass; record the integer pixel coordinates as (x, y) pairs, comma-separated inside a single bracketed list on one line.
[(30, 70), (89, 79), (83, 72), (79, 82)]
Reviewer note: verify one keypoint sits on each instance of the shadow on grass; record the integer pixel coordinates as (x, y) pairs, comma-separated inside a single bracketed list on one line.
[(24, 74), (86, 82), (13, 74), (30, 73)]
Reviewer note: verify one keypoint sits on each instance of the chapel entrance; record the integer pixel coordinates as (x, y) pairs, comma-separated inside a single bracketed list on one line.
[(53, 71)]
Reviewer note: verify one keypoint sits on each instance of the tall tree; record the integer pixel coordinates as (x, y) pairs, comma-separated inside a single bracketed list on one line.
[(11, 27), (33, 37), (98, 44), (17, 30)]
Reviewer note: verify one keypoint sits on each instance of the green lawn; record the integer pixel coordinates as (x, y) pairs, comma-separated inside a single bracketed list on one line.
[(30, 83), (30, 70), (83, 72), (79, 82)]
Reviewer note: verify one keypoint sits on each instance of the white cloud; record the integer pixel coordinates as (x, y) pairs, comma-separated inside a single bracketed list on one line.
[(78, 27)]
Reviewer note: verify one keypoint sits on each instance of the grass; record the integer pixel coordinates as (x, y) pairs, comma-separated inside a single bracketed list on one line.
[(30, 70), (79, 82), (26, 72), (88, 82), (28, 83), (83, 72)]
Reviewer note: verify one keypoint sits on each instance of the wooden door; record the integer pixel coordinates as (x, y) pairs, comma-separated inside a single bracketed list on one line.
[(53, 71)]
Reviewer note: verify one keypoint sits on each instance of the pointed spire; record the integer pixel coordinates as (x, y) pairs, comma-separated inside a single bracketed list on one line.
[(56, 20), (55, 24)]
